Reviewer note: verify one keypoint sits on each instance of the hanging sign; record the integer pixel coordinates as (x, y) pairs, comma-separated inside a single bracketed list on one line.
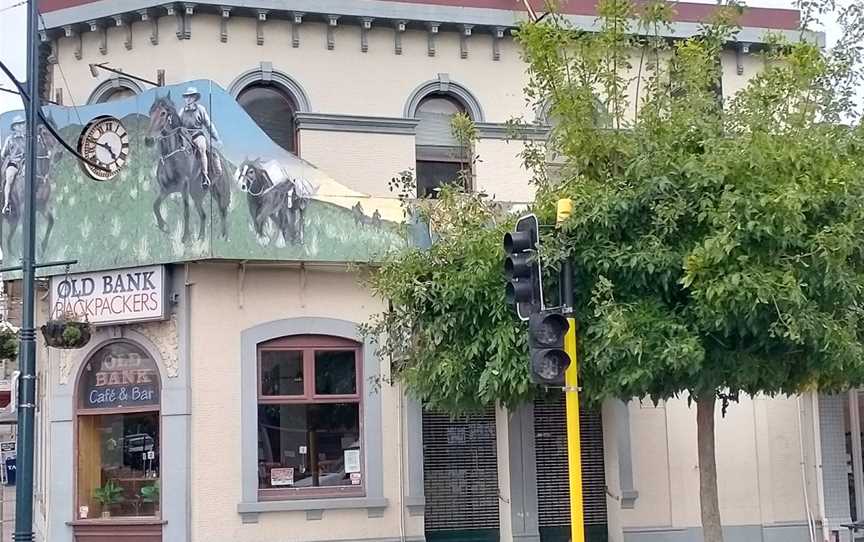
[(110, 297)]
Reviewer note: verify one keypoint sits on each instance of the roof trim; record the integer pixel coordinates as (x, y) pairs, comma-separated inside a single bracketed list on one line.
[(59, 13)]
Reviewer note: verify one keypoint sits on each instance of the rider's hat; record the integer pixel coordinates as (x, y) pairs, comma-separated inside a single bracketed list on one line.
[(192, 91), (17, 120)]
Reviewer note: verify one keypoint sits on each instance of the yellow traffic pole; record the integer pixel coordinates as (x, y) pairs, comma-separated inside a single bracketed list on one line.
[(574, 442), (571, 392)]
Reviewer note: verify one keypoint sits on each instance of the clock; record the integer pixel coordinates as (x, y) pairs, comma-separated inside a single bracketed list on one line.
[(105, 142)]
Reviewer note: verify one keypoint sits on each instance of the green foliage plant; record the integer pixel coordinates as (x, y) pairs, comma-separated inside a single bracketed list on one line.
[(716, 238), (8, 341), (108, 495), (150, 493)]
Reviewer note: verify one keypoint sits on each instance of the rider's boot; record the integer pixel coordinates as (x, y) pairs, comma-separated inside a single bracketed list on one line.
[(205, 180)]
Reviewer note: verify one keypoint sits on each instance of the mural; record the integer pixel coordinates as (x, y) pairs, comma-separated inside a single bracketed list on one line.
[(197, 179)]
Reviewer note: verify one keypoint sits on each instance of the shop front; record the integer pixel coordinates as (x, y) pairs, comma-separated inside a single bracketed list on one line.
[(118, 418)]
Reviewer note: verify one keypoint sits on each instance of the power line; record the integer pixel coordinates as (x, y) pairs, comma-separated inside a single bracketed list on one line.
[(23, 92), (63, 76), (18, 4)]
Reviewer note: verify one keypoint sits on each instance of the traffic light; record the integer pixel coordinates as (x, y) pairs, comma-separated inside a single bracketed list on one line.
[(549, 359), (522, 267)]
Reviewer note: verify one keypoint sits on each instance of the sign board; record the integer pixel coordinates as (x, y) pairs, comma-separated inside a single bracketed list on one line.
[(119, 375), (7, 446), (110, 297), (282, 476)]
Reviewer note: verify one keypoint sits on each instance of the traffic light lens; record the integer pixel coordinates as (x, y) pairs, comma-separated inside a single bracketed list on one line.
[(549, 366), (518, 265), (548, 329), (519, 291), (518, 241)]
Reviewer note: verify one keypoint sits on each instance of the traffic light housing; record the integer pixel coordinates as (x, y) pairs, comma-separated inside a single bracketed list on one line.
[(549, 359), (524, 287)]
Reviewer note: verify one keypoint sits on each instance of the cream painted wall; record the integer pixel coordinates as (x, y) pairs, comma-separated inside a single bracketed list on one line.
[(345, 80), (500, 172), (216, 321), (758, 463), (365, 162)]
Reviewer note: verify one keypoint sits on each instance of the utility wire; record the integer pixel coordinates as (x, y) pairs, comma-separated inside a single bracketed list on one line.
[(47, 124), (63, 76), (18, 4)]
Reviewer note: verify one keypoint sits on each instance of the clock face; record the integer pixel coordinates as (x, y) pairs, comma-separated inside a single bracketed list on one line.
[(104, 142)]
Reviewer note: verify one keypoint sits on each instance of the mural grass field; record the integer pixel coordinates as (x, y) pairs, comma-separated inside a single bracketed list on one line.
[(111, 224)]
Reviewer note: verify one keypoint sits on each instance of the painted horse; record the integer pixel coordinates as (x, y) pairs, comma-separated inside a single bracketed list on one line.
[(283, 203), (48, 152), (179, 169)]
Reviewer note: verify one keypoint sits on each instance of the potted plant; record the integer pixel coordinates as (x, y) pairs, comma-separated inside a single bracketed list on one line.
[(67, 330), (108, 495), (150, 494)]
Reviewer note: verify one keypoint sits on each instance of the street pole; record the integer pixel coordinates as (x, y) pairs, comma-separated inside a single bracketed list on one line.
[(27, 353), (571, 392)]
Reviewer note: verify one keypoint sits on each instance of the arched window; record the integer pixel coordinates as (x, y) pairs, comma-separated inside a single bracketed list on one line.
[(309, 411), (441, 158), (116, 88), (118, 442), (120, 93), (273, 110)]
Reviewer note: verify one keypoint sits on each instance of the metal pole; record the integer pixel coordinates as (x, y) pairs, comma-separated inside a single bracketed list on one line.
[(571, 393), (27, 355)]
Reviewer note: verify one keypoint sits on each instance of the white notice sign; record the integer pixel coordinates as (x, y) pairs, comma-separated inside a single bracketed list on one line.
[(107, 297), (352, 461)]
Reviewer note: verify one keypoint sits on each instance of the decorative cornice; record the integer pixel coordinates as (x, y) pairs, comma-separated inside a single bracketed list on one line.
[(329, 122), (511, 132), (354, 123), (449, 17)]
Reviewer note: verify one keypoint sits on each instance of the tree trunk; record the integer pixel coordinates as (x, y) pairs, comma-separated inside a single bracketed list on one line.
[(709, 498)]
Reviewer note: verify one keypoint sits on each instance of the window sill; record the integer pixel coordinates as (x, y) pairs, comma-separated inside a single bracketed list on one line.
[(117, 521), (314, 508)]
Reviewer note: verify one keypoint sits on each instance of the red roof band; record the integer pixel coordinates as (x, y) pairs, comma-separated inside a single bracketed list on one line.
[(779, 19)]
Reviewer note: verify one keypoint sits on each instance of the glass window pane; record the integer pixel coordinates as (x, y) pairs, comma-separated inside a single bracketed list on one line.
[(432, 175), (273, 111), (335, 372), (119, 374), (282, 372), (119, 94), (118, 465), (309, 445)]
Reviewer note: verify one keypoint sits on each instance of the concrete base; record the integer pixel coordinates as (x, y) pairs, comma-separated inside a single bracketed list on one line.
[(787, 532)]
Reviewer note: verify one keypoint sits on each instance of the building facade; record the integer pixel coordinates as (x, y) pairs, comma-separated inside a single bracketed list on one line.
[(230, 394)]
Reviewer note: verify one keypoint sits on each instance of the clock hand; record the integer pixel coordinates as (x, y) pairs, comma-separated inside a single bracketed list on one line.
[(108, 148)]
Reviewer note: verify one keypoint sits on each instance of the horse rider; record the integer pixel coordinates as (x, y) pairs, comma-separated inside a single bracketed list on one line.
[(195, 120), (12, 156)]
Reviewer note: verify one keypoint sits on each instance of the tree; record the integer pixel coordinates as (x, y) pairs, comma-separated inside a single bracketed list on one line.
[(716, 243)]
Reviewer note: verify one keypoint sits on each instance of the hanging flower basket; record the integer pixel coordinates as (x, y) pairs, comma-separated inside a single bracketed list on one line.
[(67, 331)]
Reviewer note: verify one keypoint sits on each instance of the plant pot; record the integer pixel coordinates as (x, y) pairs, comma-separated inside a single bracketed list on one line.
[(67, 334), (106, 514)]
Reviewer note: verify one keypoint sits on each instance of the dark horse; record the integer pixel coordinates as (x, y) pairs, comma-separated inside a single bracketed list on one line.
[(284, 203), (47, 153), (179, 169)]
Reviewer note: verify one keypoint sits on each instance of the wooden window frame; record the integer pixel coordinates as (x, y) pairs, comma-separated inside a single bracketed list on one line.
[(308, 345), (84, 412)]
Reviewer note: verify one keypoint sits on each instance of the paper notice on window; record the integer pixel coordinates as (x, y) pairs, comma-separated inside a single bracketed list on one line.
[(352, 461), (282, 477)]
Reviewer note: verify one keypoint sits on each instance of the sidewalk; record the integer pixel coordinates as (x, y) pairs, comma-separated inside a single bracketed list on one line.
[(8, 517)]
